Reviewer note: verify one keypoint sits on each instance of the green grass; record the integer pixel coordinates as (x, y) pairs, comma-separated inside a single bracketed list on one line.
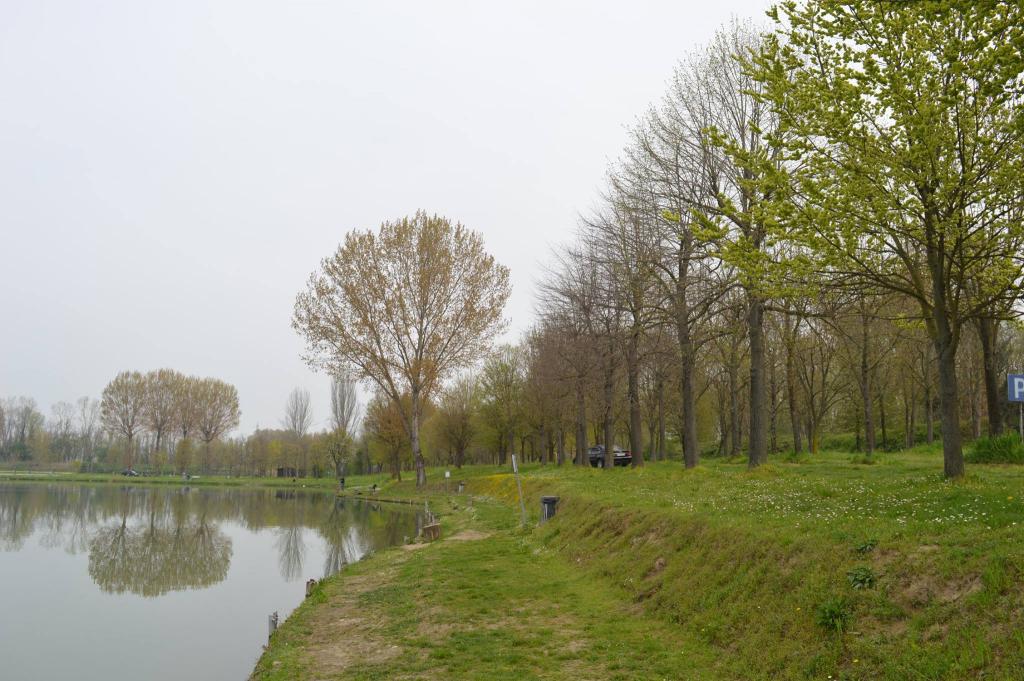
[(744, 561), (497, 607)]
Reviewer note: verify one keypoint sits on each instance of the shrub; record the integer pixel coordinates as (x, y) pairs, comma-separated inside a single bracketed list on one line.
[(1006, 448), (834, 614), (866, 546), (861, 577)]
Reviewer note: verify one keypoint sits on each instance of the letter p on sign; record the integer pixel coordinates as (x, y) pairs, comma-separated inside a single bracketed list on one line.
[(1015, 384)]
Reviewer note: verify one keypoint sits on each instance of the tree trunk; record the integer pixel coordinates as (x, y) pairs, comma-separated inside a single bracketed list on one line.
[(581, 424), (661, 419), (414, 436), (952, 447), (773, 410), (945, 336), (723, 426), (691, 453), (881, 420), (928, 413), (609, 396), (633, 386), (735, 440), (758, 445), (865, 392), (975, 408), (988, 331), (561, 446), (794, 417), (652, 438), (911, 436)]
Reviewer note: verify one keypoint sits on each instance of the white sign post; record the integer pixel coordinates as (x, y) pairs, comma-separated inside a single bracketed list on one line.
[(1015, 393)]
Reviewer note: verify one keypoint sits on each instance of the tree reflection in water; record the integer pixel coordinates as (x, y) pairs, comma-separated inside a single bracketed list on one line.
[(152, 541)]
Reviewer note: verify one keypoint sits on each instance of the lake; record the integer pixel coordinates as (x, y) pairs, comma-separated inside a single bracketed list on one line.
[(114, 582)]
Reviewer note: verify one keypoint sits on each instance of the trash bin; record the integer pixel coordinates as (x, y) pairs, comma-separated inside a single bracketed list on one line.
[(462, 487), (548, 505)]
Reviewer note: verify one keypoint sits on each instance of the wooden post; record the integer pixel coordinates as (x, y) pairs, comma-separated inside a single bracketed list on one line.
[(272, 623)]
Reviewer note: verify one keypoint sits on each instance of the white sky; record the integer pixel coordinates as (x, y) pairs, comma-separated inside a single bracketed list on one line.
[(171, 172)]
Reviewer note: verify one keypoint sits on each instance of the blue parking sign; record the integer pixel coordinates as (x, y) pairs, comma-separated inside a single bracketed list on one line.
[(1015, 387)]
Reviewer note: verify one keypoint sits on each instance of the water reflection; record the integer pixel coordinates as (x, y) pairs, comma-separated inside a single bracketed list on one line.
[(152, 541)]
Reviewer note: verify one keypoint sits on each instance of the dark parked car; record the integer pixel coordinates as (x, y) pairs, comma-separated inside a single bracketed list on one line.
[(620, 456)]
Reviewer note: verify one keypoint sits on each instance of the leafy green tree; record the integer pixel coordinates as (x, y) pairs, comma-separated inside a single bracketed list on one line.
[(903, 123)]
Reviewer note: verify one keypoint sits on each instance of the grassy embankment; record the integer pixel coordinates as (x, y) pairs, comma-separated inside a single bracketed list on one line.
[(717, 573)]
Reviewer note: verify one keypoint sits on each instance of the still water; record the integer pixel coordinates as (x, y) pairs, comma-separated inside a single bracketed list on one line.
[(141, 583)]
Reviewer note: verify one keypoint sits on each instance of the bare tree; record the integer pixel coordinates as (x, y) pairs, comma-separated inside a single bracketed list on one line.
[(62, 428), (344, 422), (298, 413), (88, 420), (344, 405), (404, 308), (123, 407)]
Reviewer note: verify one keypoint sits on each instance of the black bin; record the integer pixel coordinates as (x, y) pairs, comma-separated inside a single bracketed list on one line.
[(548, 505)]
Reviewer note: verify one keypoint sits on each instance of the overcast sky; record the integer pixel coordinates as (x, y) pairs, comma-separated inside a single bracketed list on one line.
[(171, 172)]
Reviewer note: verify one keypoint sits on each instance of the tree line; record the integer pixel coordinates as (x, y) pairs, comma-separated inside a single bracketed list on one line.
[(816, 231), (151, 418), (815, 228)]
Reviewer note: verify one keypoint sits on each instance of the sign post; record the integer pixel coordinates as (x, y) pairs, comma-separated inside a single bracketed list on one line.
[(1015, 393)]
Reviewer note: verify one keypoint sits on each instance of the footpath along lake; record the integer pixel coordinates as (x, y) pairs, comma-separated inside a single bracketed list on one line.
[(113, 583)]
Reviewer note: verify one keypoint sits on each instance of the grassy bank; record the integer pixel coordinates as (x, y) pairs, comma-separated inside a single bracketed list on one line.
[(362, 482), (826, 567)]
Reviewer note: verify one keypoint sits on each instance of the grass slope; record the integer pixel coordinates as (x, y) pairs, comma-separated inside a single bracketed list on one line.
[(487, 606), (733, 567)]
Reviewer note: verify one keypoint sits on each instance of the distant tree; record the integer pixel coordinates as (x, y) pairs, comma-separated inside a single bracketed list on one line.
[(344, 405), (183, 455), (384, 426), (298, 413), (502, 381), (340, 448), (404, 308), (88, 415), (217, 411), (123, 407), (162, 387), (62, 427), (455, 416), (186, 405)]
